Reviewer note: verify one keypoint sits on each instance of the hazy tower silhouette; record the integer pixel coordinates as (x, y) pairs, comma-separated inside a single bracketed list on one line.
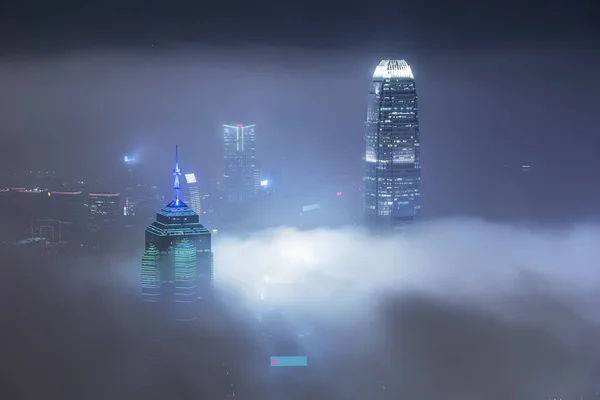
[(241, 177)]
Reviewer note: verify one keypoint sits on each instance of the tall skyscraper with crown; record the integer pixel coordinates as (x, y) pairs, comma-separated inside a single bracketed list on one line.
[(177, 266), (393, 148)]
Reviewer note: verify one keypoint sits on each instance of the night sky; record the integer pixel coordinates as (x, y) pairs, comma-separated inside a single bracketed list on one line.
[(62, 25)]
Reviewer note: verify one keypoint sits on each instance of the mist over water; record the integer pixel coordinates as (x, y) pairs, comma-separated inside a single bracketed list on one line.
[(458, 308)]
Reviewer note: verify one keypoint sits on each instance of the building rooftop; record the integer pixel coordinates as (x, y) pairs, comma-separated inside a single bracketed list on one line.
[(31, 191), (176, 219), (67, 193), (176, 208), (104, 194), (393, 69)]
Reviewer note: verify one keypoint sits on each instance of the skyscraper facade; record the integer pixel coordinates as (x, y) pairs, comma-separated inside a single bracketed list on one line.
[(177, 266), (393, 155), (241, 178)]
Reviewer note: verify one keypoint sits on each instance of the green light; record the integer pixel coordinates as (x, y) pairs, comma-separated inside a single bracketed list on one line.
[(185, 260), (150, 272)]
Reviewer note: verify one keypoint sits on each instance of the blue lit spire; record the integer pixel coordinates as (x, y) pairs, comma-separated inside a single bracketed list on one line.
[(176, 174)]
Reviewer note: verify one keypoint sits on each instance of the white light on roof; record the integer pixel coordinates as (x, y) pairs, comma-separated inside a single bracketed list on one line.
[(393, 69), (190, 178), (238, 126)]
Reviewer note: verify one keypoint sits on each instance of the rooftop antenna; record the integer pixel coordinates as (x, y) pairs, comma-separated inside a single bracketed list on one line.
[(176, 174)]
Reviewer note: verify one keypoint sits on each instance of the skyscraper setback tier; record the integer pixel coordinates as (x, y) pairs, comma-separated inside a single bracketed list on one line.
[(241, 177), (393, 156), (177, 266)]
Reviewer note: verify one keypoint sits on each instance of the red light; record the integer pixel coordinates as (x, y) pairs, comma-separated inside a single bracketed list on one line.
[(274, 361), (339, 193), (240, 126)]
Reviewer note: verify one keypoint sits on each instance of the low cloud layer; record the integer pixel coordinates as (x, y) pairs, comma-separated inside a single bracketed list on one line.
[(459, 309), (454, 259), (456, 308)]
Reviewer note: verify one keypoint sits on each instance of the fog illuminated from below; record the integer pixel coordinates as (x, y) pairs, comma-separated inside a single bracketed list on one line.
[(452, 258), (466, 285), (460, 308)]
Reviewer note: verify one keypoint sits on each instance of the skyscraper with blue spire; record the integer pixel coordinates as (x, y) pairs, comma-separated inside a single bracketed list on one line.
[(177, 266)]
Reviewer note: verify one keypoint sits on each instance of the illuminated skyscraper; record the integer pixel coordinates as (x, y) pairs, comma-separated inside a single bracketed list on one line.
[(177, 266), (393, 156), (242, 176), (139, 194), (131, 200)]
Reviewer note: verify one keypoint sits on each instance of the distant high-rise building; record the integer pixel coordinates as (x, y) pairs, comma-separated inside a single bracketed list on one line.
[(311, 216), (136, 190), (194, 195), (104, 207), (67, 206), (43, 180), (177, 266), (393, 156), (29, 203), (131, 183), (4, 201), (241, 178)]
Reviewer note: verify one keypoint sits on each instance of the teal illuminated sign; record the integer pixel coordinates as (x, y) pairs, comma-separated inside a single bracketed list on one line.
[(285, 361)]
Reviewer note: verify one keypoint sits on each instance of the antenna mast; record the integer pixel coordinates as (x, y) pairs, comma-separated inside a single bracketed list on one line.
[(176, 174)]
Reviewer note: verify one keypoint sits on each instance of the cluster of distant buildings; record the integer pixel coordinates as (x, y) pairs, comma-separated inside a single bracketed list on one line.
[(50, 210), (391, 192), (67, 206), (177, 266), (240, 182)]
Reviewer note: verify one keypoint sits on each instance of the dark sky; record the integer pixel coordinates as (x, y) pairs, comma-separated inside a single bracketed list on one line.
[(500, 84), (49, 26)]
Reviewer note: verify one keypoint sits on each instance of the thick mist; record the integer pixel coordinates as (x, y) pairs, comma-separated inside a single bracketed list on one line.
[(455, 308), (457, 259)]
